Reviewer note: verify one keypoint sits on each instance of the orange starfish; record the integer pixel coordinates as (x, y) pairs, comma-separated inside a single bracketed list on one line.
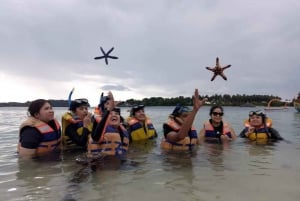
[(218, 70)]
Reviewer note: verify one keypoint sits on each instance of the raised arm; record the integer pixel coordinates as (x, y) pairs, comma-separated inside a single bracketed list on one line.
[(187, 123)]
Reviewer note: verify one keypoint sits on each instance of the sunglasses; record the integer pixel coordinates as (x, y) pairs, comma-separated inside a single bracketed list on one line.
[(218, 113), (258, 112)]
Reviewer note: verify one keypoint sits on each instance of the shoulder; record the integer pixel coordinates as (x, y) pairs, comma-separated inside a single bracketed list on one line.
[(29, 131)]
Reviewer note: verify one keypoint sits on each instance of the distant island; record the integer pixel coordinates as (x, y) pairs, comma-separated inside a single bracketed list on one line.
[(225, 100)]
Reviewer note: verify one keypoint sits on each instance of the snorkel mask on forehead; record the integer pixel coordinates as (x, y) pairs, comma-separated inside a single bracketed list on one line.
[(136, 108), (257, 113), (73, 104), (179, 109)]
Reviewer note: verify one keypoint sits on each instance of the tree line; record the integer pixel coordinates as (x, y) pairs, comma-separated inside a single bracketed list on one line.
[(224, 100)]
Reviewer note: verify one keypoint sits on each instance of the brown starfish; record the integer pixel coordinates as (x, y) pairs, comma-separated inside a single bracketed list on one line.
[(218, 70)]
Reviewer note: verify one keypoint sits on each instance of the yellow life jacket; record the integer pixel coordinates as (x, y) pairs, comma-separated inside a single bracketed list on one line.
[(67, 119), (115, 143), (260, 134), (50, 138), (185, 144), (137, 131)]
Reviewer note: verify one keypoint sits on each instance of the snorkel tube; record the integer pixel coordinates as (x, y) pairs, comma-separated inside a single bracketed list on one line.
[(70, 97), (103, 100)]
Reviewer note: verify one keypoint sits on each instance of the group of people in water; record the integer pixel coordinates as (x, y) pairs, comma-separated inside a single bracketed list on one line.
[(107, 133)]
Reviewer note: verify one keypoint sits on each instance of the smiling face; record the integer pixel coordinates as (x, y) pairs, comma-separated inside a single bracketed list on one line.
[(46, 113), (217, 115), (140, 115), (256, 120), (114, 119)]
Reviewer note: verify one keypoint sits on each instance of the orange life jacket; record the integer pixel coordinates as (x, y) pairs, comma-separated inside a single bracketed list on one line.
[(185, 144), (50, 138)]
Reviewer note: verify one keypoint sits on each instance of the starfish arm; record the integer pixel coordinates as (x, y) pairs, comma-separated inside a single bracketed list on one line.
[(209, 68), (112, 57), (217, 62), (109, 51), (102, 51), (99, 57), (223, 76), (213, 77), (226, 67), (106, 60)]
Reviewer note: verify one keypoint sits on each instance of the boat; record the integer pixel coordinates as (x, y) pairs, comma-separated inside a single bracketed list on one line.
[(270, 108), (296, 103)]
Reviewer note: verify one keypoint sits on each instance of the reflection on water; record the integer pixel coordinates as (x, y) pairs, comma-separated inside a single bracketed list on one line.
[(232, 171)]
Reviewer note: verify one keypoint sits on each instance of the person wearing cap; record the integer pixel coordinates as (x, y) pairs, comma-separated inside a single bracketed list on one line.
[(140, 126), (77, 125), (258, 127), (179, 133), (40, 133), (216, 129), (109, 137)]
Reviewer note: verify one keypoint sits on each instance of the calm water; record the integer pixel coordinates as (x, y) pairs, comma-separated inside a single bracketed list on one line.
[(240, 171)]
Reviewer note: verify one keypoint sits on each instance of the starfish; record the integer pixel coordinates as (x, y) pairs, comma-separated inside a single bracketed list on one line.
[(218, 70), (106, 55)]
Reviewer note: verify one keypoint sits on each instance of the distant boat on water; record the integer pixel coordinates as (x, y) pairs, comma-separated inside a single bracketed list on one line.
[(270, 108)]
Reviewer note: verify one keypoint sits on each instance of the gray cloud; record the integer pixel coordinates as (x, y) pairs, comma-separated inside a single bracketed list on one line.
[(163, 46)]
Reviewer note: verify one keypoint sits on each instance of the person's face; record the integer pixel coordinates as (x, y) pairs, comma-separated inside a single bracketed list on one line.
[(140, 115), (46, 113), (256, 120), (81, 111), (217, 115), (114, 119)]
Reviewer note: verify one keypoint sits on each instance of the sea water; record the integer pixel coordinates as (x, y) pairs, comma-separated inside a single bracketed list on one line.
[(214, 172)]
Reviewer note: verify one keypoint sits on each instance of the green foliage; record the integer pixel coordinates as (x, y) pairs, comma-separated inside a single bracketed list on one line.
[(225, 100)]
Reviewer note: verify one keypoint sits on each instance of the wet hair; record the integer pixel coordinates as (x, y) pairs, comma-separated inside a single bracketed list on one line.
[(36, 105), (215, 107)]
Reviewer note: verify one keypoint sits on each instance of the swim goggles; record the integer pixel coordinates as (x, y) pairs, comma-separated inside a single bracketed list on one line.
[(258, 113)]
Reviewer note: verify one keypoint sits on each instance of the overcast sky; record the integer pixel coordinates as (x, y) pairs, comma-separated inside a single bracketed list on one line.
[(48, 47)]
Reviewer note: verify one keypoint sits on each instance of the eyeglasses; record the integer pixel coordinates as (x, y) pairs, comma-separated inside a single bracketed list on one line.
[(218, 113), (258, 112)]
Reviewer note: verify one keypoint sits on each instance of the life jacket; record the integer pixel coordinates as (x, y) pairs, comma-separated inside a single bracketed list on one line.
[(67, 119), (211, 133), (185, 144), (115, 143), (261, 133), (140, 132), (97, 114), (50, 138)]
